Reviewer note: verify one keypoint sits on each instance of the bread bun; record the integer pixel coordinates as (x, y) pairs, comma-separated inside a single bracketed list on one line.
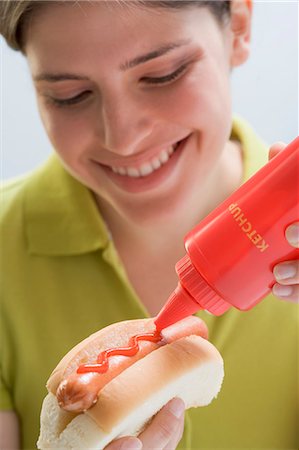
[(190, 368)]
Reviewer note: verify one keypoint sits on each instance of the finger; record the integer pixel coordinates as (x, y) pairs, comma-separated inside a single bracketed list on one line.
[(289, 293), (292, 234), (125, 443), (287, 273), (173, 443), (276, 148), (164, 425)]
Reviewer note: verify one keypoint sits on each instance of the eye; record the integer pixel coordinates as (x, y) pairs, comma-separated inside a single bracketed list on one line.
[(70, 101), (166, 78)]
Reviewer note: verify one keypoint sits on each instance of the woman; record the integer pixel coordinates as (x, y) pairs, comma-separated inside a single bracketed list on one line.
[(135, 99)]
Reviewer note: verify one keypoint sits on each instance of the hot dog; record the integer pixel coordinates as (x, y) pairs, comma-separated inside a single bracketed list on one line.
[(77, 392), (87, 408)]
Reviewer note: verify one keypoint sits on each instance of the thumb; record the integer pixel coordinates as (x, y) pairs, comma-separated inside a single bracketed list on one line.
[(276, 148), (125, 443)]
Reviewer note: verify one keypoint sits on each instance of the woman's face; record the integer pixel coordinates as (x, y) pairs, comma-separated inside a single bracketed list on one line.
[(135, 101)]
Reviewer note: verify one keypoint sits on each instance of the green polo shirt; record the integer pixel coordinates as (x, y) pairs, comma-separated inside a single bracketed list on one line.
[(62, 280)]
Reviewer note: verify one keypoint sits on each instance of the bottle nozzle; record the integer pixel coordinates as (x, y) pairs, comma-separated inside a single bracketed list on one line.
[(178, 306)]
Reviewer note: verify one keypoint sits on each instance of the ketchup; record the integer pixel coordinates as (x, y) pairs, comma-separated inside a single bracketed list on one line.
[(102, 364)]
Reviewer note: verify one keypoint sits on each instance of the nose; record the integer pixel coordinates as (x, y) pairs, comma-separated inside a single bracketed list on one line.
[(126, 123)]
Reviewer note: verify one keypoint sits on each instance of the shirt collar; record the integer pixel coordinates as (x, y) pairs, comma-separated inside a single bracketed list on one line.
[(254, 149), (61, 216)]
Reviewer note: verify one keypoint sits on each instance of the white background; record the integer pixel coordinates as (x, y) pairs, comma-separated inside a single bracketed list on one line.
[(265, 90)]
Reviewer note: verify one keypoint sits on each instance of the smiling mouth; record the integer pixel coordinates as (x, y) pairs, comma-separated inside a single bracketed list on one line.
[(146, 169)]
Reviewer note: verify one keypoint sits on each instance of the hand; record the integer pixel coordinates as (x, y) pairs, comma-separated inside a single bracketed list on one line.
[(164, 431), (287, 273)]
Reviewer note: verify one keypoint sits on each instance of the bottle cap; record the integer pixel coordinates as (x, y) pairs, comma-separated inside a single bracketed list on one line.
[(199, 288), (192, 294)]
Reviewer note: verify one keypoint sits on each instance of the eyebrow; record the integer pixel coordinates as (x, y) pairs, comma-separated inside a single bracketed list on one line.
[(163, 50), (166, 48)]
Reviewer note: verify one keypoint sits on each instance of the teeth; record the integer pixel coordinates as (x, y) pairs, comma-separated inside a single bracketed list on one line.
[(170, 150), (122, 171), (163, 157), (156, 163), (132, 172), (146, 168)]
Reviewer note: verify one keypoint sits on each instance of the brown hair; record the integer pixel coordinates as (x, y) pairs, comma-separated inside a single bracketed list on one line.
[(14, 15)]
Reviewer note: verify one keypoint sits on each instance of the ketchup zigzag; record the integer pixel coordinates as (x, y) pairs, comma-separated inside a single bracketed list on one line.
[(102, 364)]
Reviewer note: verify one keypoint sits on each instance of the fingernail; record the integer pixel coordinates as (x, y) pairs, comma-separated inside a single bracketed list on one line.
[(176, 407), (131, 444), (284, 271), (282, 291), (292, 235)]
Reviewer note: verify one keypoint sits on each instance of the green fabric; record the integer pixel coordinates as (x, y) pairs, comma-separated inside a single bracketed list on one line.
[(62, 280)]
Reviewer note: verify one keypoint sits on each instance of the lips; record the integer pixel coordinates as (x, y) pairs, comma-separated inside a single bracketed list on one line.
[(147, 175)]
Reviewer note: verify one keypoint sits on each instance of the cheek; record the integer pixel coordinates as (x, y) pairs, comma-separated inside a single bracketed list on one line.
[(68, 132), (201, 99)]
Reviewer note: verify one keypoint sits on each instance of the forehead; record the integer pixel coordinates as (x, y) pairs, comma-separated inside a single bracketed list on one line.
[(79, 17), (77, 32)]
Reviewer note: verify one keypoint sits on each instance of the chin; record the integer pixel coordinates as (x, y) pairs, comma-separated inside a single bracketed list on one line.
[(165, 211)]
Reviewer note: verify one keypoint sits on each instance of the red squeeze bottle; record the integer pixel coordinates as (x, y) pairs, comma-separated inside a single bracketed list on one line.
[(231, 253)]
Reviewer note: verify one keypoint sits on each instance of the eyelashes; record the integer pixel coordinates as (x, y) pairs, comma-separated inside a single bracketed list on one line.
[(153, 81), (70, 101), (166, 78)]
